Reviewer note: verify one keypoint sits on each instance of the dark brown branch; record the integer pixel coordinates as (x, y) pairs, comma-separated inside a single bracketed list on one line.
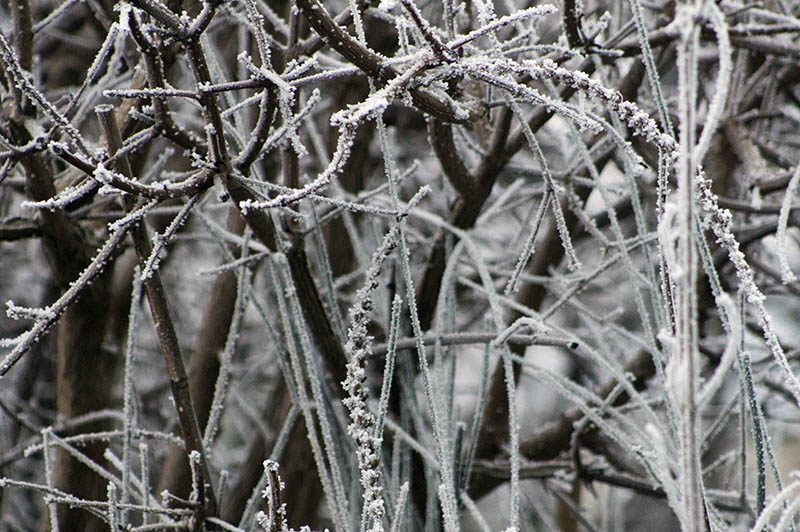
[(82, 364), (465, 212), (466, 209), (23, 46), (441, 50), (554, 438), (316, 317), (441, 135), (379, 350), (258, 136), (168, 339), (204, 364), (667, 35), (327, 342), (370, 62), (571, 18), (154, 69), (215, 129), (18, 229), (195, 184), (161, 13)]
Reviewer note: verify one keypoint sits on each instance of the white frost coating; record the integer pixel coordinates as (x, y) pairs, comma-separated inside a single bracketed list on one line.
[(667, 238), (495, 72), (378, 101), (63, 199), (290, 128), (661, 467), (160, 241), (448, 511), (128, 398), (528, 247), (339, 159), (787, 276), (275, 518), (103, 175), (649, 63), (16, 312), (363, 422), (286, 96), (720, 221), (722, 85), (535, 325), (21, 81), (347, 121), (520, 15), (731, 350), (792, 490), (243, 285), (132, 217), (573, 263), (329, 473), (52, 312), (716, 217)]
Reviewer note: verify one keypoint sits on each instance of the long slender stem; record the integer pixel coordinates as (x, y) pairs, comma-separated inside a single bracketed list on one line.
[(165, 330), (686, 277)]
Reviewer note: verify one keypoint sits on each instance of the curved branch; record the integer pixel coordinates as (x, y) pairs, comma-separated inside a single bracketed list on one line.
[(372, 63)]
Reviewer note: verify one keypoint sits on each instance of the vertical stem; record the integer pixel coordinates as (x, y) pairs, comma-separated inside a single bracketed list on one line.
[(23, 45), (686, 277), (167, 337)]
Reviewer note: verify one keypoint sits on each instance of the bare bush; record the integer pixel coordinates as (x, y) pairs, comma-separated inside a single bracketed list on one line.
[(398, 265)]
